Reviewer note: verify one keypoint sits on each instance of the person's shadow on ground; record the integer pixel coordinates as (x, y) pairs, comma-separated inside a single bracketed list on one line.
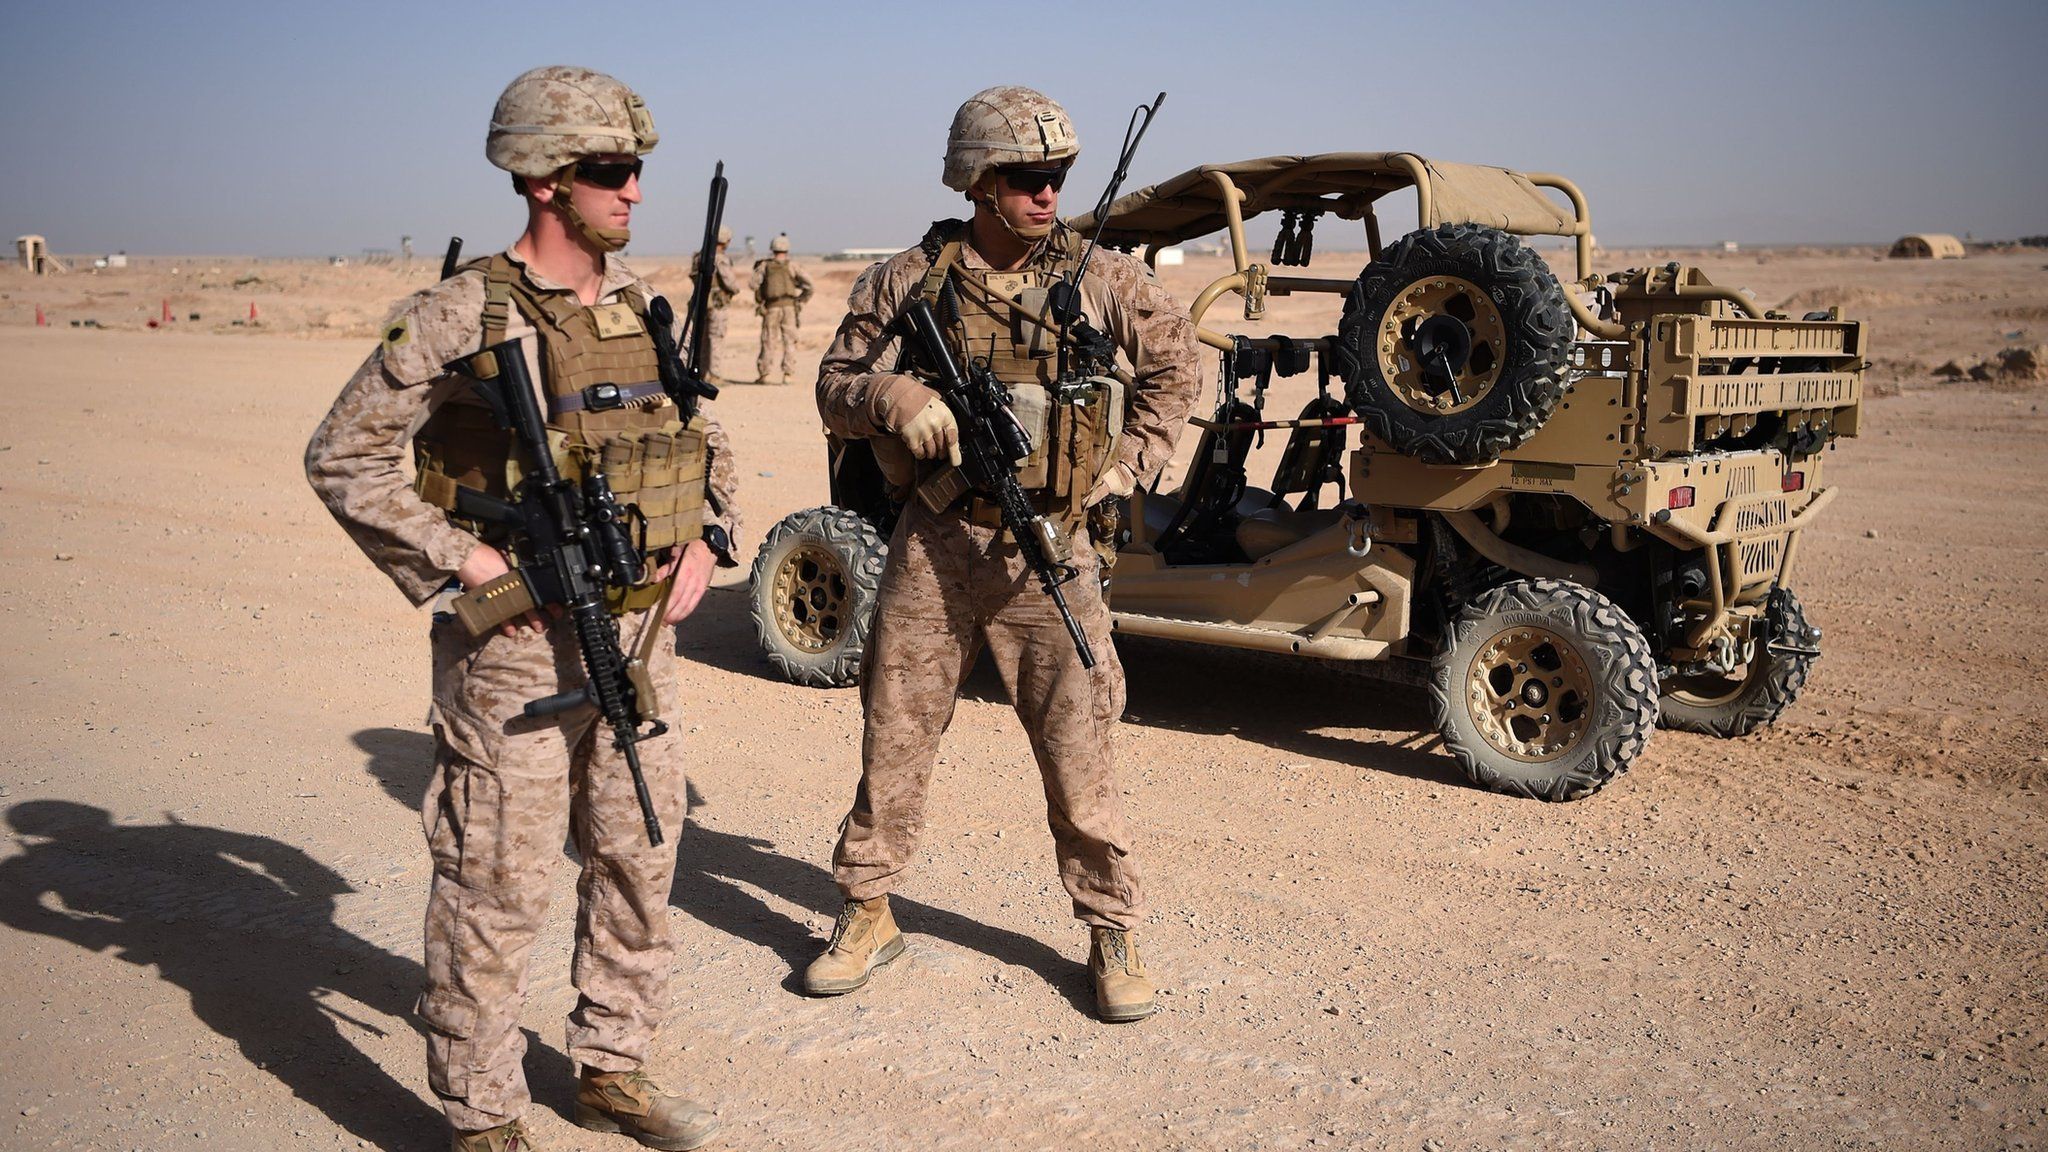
[(716, 867), (246, 925)]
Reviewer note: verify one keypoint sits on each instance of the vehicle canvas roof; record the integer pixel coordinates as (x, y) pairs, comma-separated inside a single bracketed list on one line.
[(1341, 183)]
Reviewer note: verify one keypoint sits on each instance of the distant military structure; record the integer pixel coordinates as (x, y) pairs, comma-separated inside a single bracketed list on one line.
[(34, 253), (1928, 246)]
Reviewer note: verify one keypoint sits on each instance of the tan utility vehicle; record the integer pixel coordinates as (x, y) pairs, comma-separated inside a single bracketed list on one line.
[(1571, 513)]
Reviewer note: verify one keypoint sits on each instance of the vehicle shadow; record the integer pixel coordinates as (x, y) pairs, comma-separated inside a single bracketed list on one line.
[(717, 866), (1275, 701), (183, 897)]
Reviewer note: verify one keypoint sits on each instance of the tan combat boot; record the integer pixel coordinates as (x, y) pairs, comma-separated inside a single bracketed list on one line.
[(1123, 992), (864, 939), (631, 1103), (504, 1138)]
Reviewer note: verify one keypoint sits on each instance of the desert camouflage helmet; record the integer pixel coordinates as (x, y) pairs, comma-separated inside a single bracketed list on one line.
[(780, 243), (1005, 125), (551, 117), (724, 234)]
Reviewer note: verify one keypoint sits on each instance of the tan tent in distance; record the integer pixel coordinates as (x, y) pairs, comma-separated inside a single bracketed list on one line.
[(1928, 246)]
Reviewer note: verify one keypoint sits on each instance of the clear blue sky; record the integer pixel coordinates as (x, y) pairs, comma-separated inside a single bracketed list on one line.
[(288, 129)]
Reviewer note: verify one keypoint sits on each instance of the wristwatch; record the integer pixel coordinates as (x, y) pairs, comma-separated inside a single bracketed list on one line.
[(720, 542)]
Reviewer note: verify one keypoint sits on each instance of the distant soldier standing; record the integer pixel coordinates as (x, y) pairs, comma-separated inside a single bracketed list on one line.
[(725, 284), (780, 289), (507, 789), (954, 583)]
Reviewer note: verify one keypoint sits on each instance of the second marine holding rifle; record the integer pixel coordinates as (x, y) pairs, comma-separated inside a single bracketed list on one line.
[(928, 336)]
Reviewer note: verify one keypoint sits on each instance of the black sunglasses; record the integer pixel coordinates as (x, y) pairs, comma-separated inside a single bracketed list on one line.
[(1032, 181), (611, 174)]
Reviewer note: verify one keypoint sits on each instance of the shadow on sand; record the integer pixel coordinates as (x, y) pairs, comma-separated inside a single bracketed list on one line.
[(1274, 701), (716, 868), (246, 926)]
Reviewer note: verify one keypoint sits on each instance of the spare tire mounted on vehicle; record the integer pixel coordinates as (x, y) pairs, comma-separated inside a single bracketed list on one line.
[(1456, 339)]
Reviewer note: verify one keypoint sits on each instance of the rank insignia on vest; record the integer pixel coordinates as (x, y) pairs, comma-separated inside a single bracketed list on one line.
[(612, 320)]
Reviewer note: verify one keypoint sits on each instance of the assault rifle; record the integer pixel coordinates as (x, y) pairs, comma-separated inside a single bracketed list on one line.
[(689, 382), (991, 443), (576, 542)]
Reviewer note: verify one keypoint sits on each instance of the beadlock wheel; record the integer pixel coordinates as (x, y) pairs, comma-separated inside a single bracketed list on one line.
[(1530, 694), (1544, 688), (815, 582), (1454, 344), (1442, 345)]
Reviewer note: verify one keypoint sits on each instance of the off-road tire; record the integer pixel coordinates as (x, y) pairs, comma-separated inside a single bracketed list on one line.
[(1771, 683), (815, 581), (1536, 329), (1609, 664)]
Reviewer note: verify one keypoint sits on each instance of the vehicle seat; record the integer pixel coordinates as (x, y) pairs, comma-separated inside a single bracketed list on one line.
[(1162, 507), (1270, 529)]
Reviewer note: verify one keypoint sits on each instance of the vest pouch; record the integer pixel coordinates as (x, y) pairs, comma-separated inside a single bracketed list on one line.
[(459, 447), (1098, 429), (1032, 405), (691, 460), (1086, 420), (619, 460), (1034, 331)]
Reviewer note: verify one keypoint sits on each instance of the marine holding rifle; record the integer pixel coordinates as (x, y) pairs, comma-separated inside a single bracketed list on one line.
[(510, 780), (961, 574)]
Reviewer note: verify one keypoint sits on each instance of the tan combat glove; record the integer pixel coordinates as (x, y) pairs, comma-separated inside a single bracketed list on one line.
[(933, 433), (1118, 481)]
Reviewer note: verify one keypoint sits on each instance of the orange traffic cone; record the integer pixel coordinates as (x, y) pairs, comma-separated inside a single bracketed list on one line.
[(252, 311), (167, 310), (41, 321)]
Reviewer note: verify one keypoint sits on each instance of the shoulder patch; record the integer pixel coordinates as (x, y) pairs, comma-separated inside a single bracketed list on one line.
[(397, 333)]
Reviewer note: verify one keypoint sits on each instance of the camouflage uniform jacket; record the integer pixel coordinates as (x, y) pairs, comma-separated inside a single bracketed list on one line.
[(861, 397), (358, 459), (725, 278)]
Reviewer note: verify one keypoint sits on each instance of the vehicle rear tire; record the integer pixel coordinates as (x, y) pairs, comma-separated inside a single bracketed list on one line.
[(1730, 706), (1455, 344), (1544, 688), (815, 582)]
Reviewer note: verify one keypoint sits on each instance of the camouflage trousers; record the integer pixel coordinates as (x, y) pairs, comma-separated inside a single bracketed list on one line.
[(714, 337), (950, 587), (778, 341), (506, 792)]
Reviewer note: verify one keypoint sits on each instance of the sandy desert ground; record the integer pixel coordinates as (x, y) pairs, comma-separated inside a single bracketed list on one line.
[(1827, 935)]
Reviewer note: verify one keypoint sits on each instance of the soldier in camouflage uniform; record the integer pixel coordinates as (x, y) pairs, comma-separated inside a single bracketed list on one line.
[(725, 285), (954, 582), (780, 290), (507, 789)]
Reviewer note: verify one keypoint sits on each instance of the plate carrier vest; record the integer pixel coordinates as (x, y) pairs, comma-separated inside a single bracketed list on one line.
[(1004, 318), (653, 460)]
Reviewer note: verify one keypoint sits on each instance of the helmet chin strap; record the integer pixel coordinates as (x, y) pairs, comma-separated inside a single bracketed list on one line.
[(606, 239), (1031, 235)]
